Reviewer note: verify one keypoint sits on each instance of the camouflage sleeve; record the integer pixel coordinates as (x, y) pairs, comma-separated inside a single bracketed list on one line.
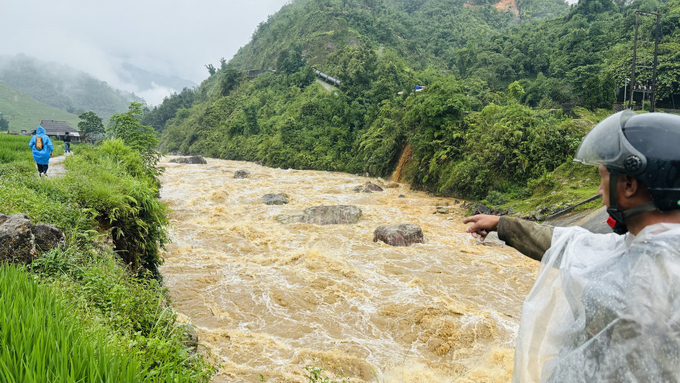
[(529, 238)]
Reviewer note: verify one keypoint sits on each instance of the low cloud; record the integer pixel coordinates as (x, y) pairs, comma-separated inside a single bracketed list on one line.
[(168, 38)]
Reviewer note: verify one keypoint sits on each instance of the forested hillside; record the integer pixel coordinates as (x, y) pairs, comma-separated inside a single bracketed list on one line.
[(62, 87), (424, 32), (489, 117)]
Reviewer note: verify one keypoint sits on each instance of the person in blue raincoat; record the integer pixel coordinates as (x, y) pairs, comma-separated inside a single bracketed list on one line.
[(41, 156)]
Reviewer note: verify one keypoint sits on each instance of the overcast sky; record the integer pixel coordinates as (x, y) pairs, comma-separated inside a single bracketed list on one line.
[(170, 37)]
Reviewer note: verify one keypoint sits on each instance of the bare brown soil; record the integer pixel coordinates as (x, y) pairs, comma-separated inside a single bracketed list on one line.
[(405, 158)]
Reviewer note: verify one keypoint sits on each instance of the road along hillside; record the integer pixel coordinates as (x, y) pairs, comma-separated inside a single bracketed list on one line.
[(270, 299)]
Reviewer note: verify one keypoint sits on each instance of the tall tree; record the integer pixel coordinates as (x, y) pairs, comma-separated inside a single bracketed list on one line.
[(142, 138), (91, 123)]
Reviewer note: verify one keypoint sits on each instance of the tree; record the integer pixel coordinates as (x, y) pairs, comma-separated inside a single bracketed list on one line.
[(290, 61), (4, 124), (127, 126), (211, 69), (91, 123), (515, 92), (230, 79)]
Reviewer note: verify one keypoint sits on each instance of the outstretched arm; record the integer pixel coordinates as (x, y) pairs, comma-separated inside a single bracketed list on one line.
[(529, 238)]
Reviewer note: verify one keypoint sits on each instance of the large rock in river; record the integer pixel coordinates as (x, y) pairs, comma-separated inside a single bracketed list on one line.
[(16, 239), (403, 234), (194, 160), (331, 215), (372, 187), (241, 174), (324, 215), (274, 199)]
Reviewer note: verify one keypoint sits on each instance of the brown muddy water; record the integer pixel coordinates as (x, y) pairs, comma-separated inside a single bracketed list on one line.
[(270, 299)]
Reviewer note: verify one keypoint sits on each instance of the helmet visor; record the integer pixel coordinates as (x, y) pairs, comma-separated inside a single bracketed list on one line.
[(606, 144)]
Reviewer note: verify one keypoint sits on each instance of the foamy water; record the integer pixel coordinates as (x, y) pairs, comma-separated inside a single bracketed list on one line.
[(270, 299)]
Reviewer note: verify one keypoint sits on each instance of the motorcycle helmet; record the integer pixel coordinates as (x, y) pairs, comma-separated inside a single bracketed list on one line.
[(645, 146)]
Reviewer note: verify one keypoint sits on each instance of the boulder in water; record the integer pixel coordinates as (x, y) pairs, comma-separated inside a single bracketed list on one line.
[(324, 215), (372, 187), (274, 199), (332, 215), (241, 174), (491, 240), (442, 210), (403, 234), (194, 160)]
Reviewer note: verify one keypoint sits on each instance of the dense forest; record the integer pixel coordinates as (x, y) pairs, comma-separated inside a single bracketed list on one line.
[(495, 111), (62, 86)]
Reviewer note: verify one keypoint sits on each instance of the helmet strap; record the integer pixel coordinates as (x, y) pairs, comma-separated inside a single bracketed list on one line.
[(616, 212), (613, 208)]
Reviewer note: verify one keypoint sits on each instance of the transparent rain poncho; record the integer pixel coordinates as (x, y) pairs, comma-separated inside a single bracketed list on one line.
[(604, 308)]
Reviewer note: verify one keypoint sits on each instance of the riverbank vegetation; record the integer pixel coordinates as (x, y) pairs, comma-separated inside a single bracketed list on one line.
[(102, 288), (505, 102)]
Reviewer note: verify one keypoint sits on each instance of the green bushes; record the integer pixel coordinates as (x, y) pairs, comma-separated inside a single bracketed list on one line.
[(513, 144), (113, 182)]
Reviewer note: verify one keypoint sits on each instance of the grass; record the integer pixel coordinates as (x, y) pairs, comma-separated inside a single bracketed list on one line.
[(25, 113), (569, 184), (43, 341)]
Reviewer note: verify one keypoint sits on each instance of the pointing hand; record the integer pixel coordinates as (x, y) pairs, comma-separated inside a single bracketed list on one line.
[(483, 225)]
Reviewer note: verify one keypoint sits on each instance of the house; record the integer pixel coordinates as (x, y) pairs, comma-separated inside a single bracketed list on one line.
[(59, 129)]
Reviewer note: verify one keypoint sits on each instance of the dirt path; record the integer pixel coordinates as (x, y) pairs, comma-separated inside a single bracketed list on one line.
[(57, 168)]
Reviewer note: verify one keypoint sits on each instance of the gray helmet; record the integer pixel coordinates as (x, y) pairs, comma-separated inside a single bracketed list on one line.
[(645, 146)]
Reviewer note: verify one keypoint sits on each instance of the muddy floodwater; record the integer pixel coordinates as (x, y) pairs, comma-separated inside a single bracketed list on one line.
[(269, 299)]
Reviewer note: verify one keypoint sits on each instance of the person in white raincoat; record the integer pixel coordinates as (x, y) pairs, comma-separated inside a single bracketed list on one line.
[(606, 307)]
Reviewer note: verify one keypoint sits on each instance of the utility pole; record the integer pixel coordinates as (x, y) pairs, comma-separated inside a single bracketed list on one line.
[(652, 92)]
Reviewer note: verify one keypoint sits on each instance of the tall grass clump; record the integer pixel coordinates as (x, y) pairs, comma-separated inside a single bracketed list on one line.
[(42, 341), (113, 182)]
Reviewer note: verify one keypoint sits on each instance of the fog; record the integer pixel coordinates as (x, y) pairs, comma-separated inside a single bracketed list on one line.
[(166, 38)]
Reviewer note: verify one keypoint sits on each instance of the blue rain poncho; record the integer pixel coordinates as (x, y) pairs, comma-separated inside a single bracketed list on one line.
[(604, 308), (41, 157)]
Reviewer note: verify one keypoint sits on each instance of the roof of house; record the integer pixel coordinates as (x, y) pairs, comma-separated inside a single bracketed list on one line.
[(57, 128)]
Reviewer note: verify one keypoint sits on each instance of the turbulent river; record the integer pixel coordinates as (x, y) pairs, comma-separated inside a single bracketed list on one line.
[(269, 299)]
